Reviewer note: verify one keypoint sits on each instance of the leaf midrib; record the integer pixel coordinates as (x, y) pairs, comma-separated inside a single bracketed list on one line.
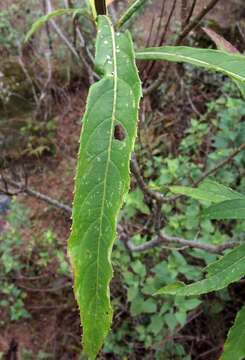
[(108, 159)]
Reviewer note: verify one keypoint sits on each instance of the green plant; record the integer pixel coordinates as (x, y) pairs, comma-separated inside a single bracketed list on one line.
[(11, 26), (39, 137), (27, 354), (150, 319), (230, 268), (8, 35), (102, 179), (14, 263), (12, 297)]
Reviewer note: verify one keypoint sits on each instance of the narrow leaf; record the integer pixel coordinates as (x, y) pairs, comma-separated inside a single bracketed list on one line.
[(42, 20), (234, 256), (221, 43), (102, 179), (225, 271), (209, 191), (92, 7), (241, 87), (224, 45), (235, 344), (232, 65), (130, 12), (230, 209)]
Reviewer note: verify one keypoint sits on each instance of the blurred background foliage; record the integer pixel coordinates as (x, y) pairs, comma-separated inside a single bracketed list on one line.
[(190, 123)]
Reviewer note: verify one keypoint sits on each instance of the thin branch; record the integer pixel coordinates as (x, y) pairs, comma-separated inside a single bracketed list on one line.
[(45, 88), (91, 73), (25, 71), (26, 190), (184, 8), (143, 186), (54, 289), (168, 22), (160, 240), (193, 5), (220, 164), (163, 35), (156, 43), (159, 196), (156, 83), (163, 239), (196, 21), (148, 41), (59, 31), (47, 26), (70, 46)]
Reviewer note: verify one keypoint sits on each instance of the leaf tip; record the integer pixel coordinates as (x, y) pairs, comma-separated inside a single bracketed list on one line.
[(170, 289)]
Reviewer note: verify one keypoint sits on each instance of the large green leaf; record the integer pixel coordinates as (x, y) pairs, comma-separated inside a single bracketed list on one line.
[(208, 190), (230, 209), (102, 180), (232, 65), (228, 269), (235, 344)]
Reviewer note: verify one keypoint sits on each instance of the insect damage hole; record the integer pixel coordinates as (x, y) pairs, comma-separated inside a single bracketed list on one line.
[(119, 132)]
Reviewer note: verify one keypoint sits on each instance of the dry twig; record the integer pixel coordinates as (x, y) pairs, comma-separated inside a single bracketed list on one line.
[(159, 196), (220, 164), (192, 25), (159, 240), (197, 19), (23, 188), (163, 239)]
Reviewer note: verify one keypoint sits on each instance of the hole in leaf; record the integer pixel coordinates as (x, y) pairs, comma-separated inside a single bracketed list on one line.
[(119, 132)]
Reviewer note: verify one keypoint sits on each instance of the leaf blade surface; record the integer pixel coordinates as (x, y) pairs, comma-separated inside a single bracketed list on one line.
[(229, 209), (235, 345), (232, 65), (102, 179), (208, 190)]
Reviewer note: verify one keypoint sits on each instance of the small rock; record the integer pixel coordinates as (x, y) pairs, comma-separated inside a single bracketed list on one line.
[(4, 203)]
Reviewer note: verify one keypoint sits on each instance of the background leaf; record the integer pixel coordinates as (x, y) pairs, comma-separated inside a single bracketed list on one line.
[(232, 65), (92, 6), (42, 20), (230, 209), (130, 12), (225, 271), (235, 344), (208, 190)]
